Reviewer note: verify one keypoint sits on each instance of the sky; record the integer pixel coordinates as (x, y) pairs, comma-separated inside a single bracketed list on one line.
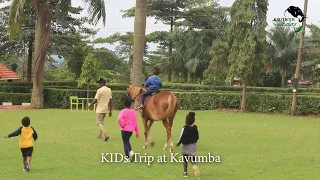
[(115, 22)]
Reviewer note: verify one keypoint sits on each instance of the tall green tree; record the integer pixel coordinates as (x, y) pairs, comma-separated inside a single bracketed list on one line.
[(247, 41), (44, 10), (18, 47), (167, 12), (217, 71), (311, 58), (284, 42), (89, 72)]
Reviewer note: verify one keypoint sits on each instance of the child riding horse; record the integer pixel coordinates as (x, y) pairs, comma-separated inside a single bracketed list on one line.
[(153, 84), (162, 106)]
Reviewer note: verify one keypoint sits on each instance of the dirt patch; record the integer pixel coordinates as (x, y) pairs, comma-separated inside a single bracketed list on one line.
[(14, 107), (228, 110)]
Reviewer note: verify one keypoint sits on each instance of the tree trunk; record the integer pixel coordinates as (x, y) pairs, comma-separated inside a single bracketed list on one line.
[(140, 20), (30, 51), (244, 95), (170, 51), (283, 78), (42, 38)]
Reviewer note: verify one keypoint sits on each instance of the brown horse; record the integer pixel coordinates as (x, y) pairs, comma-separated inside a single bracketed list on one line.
[(161, 106)]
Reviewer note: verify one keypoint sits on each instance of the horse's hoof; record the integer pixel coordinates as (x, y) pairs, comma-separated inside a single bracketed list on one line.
[(164, 149), (144, 147), (152, 144), (171, 150)]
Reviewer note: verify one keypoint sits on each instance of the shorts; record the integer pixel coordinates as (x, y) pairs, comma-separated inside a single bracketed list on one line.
[(27, 151), (189, 149), (100, 117)]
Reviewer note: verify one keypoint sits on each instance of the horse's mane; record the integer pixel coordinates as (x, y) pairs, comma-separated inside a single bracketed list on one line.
[(135, 90)]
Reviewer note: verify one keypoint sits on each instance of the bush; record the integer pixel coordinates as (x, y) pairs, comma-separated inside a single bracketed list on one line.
[(16, 89), (25, 87), (59, 98), (263, 103), (15, 98)]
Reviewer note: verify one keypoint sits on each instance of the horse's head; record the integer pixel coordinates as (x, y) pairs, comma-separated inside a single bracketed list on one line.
[(134, 92)]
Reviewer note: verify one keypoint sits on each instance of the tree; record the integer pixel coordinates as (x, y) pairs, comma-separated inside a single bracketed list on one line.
[(114, 68), (247, 42), (44, 10), (89, 72), (312, 54), (139, 34), (168, 12), (17, 47), (284, 42), (218, 67)]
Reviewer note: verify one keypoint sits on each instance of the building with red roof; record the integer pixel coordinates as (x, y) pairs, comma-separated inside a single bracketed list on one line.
[(7, 74)]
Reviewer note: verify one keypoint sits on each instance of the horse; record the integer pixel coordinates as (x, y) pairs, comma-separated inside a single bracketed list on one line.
[(160, 106)]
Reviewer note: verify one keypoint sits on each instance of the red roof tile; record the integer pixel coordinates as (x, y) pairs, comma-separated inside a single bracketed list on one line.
[(6, 73)]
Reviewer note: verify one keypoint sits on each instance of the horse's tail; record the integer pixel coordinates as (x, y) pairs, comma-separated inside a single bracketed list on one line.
[(173, 104)]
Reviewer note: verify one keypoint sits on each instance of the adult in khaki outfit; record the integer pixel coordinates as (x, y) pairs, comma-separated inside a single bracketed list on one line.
[(103, 99)]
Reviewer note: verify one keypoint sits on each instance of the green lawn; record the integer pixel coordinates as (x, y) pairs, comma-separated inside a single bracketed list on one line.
[(251, 147)]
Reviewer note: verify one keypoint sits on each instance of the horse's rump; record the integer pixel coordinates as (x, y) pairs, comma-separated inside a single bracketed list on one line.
[(164, 103)]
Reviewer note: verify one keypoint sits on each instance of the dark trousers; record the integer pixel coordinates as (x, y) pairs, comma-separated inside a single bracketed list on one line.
[(144, 95), (187, 158), (126, 135)]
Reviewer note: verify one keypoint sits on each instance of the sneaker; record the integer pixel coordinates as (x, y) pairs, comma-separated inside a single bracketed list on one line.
[(127, 160), (196, 171), (185, 174), (131, 156), (107, 138), (27, 167)]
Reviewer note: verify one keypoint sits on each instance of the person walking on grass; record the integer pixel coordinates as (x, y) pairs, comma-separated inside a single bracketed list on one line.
[(188, 137), (103, 98), (128, 123), (27, 133)]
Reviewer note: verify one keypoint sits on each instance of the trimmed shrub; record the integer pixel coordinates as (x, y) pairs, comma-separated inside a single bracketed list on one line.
[(263, 103), (167, 86), (59, 98), (15, 98), (16, 89)]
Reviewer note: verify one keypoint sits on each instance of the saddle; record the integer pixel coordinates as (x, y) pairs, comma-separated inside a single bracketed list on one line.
[(148, 97), (146, 100)]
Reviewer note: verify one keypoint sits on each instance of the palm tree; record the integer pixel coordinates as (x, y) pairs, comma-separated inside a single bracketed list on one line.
[(44, 10), (140, 20), (283, 41)]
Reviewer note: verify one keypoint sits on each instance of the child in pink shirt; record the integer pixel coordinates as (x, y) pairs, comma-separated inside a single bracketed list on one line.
[(128, 122)]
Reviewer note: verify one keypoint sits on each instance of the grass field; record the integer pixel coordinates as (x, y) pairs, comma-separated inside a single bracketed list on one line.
[(251, 147)]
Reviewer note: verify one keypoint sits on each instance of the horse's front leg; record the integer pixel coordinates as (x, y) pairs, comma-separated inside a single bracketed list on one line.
[(144, 120)]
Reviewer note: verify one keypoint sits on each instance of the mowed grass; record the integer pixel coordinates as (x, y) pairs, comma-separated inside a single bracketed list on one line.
[(251, 146)]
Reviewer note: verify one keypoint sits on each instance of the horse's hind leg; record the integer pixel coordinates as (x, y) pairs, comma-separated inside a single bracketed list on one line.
[(166, 124), (171, 141), (150, 122)]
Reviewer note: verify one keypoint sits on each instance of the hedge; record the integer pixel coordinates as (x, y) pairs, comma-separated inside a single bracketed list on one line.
[(264, 103), (167, 86), (15, 98)]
